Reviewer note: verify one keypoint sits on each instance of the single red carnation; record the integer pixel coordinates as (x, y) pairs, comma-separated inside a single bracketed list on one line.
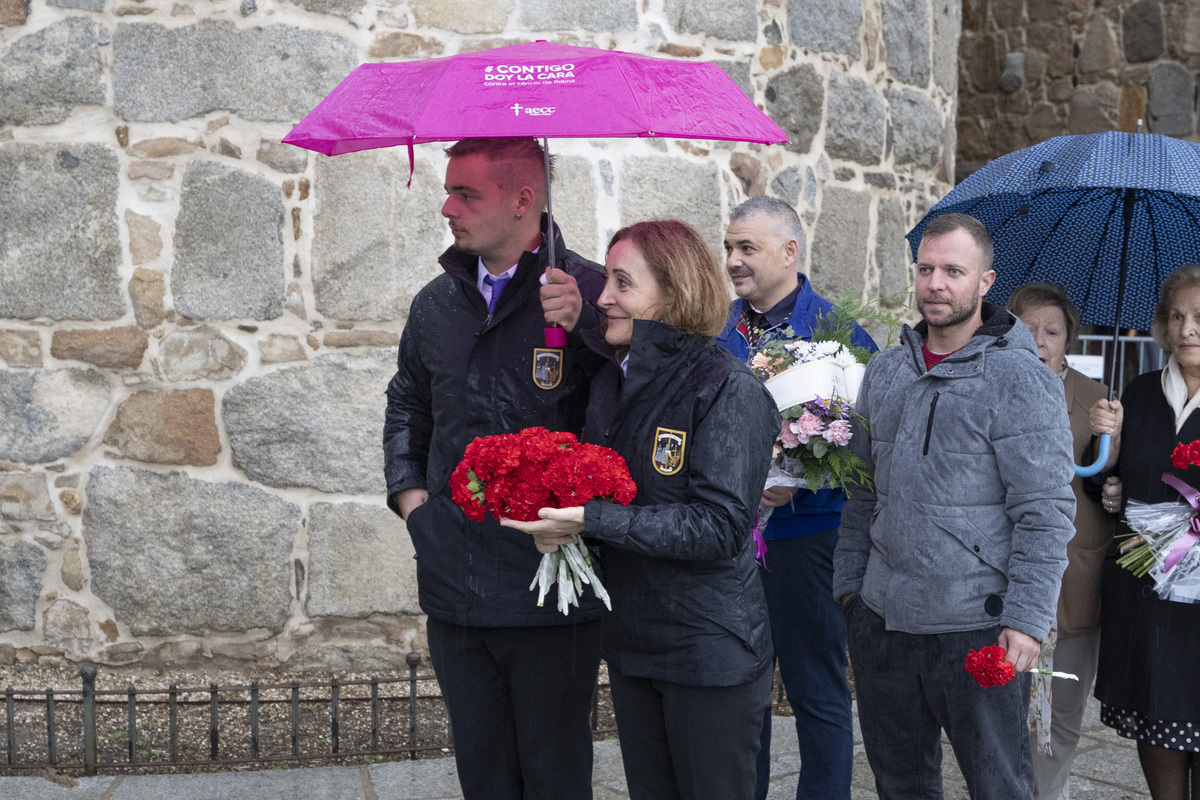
[(988, 667)]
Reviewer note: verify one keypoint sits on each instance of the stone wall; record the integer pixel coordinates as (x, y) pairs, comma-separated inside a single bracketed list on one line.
[(1033, 69), (197, 323)]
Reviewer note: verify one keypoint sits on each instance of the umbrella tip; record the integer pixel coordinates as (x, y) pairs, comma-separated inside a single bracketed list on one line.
[(1046, 167), (1139, 126)]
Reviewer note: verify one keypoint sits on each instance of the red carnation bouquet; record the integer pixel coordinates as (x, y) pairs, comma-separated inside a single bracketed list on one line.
[(513, 475), (989, 668), (1166, 534)]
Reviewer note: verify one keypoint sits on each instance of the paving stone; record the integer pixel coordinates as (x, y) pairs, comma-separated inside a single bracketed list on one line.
[(167, 427), (14, 12), (165, 74), (787, 185), (722, 19), (228, 245), (395, 44), (111, 348), (51, 413), (1099, 51), (24, 496), (558, 15), (917, 128), (147, 292), (892, 254), (740, 72), (794, 100), (906, 36), (1171, 100), (855, 120), (199, 353), (46, 74), (829, 26), (278, 348), (282, 157), (463, 16), (361, 269), (360, 562), (655, 187), (316, 425), (1142, 29), (20, 348), (839, 250), (171, 554), (947, 28), (342, 8), (60, 252), (21, 567), (416, 780)]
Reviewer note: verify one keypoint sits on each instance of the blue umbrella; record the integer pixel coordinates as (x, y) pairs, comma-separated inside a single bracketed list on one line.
[(1107, 216)]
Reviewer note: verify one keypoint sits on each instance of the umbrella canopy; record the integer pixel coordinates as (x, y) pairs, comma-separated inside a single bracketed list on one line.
[(536, 89), (1106, 216)]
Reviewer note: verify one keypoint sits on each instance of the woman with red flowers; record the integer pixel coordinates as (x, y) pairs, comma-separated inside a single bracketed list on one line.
[(1149, 651), (687, 643)]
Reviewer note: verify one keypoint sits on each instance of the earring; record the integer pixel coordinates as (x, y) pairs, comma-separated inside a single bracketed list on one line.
[(518, 216)]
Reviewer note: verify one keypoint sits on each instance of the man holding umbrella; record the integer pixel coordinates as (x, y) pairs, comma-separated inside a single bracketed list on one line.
[(473, 361)]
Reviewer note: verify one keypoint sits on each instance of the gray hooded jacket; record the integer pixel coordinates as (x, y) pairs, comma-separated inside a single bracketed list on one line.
[(972, 461)]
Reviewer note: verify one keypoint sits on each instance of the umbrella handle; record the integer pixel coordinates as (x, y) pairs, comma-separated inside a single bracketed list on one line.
[(1101, 459)]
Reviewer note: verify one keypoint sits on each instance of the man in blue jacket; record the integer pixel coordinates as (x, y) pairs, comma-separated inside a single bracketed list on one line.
[(763, 245)]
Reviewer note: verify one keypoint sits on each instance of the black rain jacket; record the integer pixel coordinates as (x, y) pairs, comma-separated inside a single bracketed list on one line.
[(696, 428), (461, 374)]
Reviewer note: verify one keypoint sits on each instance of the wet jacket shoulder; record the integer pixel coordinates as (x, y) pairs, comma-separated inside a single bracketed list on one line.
[(972, 465), (696, 428), (462, 373)]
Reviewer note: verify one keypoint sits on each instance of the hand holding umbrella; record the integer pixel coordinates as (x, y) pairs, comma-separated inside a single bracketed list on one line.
[(561, 302)]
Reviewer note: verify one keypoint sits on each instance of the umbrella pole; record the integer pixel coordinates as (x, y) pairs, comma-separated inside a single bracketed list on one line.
[(555, 336), (1126, 224)]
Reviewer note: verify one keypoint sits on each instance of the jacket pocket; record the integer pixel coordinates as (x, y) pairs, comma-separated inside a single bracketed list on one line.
[(992, 548)]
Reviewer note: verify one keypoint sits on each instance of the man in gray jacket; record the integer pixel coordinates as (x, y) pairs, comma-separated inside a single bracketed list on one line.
[(961, 542)]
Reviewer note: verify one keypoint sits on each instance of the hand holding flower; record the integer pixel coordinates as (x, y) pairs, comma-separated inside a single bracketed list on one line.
[(556, 527)]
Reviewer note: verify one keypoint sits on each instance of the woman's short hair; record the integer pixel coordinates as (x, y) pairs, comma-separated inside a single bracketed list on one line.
[(686, 271), (1037, 294), (1186, 277)]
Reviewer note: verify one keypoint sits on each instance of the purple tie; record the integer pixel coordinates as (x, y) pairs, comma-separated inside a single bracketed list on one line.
[(497, 285)]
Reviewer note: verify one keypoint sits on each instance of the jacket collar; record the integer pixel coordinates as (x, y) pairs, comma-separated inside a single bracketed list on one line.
[(798, 320), (656, 351), (1000, 329)]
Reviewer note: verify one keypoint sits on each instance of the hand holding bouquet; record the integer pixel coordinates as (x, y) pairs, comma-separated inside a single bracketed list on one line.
[(989, 668), (513, 475)]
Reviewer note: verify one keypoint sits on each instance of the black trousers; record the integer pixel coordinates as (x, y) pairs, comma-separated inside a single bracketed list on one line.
[(911, 687), (520, 701), (689, 742)]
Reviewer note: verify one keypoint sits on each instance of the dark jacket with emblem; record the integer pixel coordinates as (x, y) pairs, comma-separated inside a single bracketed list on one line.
[(696, 428), (461, 374), (972, 508)]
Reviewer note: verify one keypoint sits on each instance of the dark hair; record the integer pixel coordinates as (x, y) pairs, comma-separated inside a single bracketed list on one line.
[(686, 271), (513, 161), (1038, 294), (948, 223), (1186, 277)]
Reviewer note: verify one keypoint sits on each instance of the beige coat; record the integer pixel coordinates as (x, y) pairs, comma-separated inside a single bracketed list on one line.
[(1079, 600)]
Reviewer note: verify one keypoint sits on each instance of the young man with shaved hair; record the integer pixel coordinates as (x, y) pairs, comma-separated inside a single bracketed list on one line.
[(961, 541), (764, 244), (473, 361)]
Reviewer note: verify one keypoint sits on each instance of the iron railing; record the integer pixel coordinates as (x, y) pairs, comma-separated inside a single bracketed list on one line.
[(93, 729), (1136, 354)]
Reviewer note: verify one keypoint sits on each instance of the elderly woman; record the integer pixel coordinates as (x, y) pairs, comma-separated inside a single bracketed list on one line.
[(1149, 648), (1054, 321), (687, 643)]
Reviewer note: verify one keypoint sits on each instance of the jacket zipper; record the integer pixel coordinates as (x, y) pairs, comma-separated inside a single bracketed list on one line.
[(929, 424)]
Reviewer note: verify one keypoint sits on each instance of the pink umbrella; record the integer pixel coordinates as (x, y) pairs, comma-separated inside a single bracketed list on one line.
[(535, 89)]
